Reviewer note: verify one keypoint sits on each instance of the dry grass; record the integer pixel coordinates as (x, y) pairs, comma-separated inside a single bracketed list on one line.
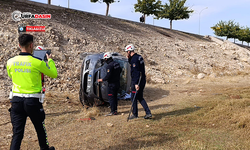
[(199, 114)]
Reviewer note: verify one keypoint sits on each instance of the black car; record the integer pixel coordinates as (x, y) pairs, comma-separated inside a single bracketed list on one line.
[(94, 68)]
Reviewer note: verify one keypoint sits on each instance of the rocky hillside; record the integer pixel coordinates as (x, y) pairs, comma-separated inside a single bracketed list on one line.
[(70, 34)]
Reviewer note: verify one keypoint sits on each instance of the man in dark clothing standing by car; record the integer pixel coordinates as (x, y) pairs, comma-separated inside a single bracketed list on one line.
[(113, 78), (137, 72), (25, 72)]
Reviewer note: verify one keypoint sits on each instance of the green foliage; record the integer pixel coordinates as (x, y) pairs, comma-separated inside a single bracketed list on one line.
[(219, 28), (175, 10), (244, 35), (229, 29), (108, 2), (148, 7)]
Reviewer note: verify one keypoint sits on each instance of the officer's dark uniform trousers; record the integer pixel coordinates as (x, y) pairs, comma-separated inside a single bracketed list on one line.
[(139, 97), (112, 95), (21, 108)]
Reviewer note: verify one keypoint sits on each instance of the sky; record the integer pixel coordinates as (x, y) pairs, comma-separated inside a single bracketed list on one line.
[(207, 13)]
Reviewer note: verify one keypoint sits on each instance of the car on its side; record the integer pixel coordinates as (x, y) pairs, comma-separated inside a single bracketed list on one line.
[(93, 68)]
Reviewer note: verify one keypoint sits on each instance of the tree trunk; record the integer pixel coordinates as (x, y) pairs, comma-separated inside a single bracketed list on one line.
[(242, 42), (171, 24), (107, 11), (144, 18), (49, 2), (234, 40)]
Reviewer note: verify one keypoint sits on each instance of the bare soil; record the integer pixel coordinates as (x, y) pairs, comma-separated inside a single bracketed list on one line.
[(191, 114)]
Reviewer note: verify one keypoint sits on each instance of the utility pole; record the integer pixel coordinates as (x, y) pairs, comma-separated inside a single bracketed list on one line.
[(49, 2), (200, 18), (68, 3)]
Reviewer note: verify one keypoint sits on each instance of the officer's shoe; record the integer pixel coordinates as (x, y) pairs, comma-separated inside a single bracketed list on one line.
[(52, 148), (111, 114), (148, 116), (132, 117)]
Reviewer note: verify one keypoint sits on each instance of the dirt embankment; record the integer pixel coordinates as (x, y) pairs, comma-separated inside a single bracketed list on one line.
[(169, 55)]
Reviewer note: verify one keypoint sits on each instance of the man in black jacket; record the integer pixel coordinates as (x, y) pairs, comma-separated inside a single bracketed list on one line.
[(113, 79), (137, 71)]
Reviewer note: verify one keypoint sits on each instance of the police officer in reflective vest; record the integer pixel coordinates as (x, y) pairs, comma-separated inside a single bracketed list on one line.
[(113, 78), (137, 71), (25, 72)]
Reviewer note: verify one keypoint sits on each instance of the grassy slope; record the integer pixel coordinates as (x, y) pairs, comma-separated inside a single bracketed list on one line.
[(203, 114)]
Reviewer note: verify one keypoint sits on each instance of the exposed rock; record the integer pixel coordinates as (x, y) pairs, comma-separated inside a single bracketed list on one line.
[(110, 124), (213, 75), (9, 136), (179, 73), (1, 67), (201, 76)]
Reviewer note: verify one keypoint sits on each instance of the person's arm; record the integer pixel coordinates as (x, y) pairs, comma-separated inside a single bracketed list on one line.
[(8, 69), (136, 72), (48, 69), (137, 76)]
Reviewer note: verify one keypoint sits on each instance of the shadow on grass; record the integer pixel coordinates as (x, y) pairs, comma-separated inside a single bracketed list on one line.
[(152, 139), (152, 94), (149, 94), (63, 113), (150, 107), (180, 112)]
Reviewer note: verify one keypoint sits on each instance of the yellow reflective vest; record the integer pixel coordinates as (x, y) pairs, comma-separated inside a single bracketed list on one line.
[(25, 72)]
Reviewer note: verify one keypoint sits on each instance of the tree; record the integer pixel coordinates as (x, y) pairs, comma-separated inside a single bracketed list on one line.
[(244, 35), (233, 29), (219, 28), (147, 7), (108, 2), (175, 10), (229, 29), (248, 35)]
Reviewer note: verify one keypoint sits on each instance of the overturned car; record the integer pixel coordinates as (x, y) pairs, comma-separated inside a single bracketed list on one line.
[(94, 68)]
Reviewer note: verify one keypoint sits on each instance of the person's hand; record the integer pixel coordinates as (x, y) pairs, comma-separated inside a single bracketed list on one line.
[(48, 56), (99, 80), (137, 87)]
